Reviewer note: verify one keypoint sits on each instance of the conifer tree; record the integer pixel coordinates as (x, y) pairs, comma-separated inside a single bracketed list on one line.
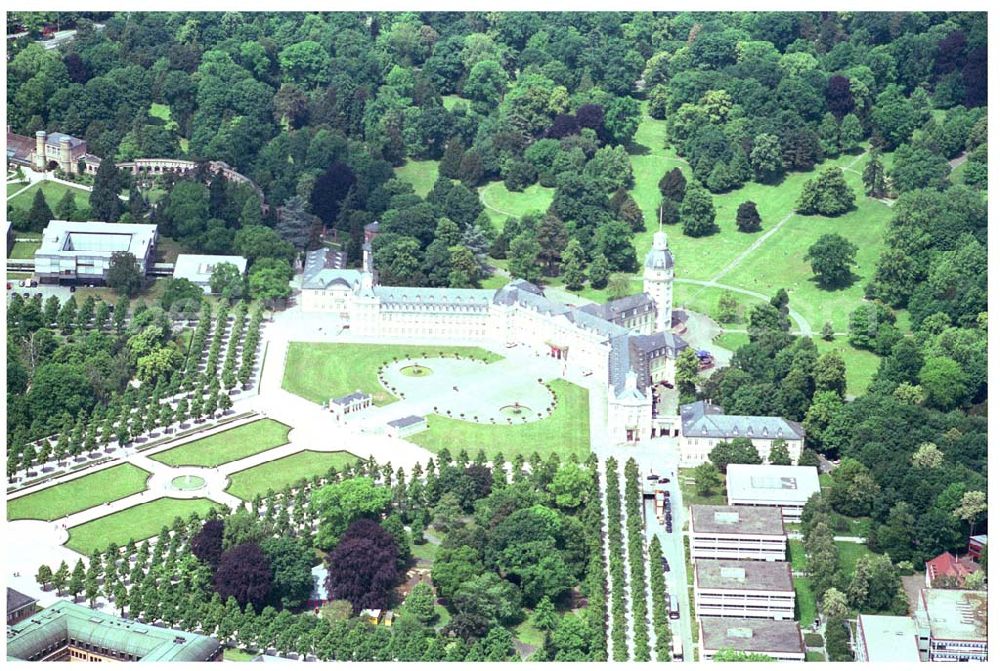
[(104, 202)]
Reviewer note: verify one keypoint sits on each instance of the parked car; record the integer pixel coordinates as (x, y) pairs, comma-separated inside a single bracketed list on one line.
[(72, 288), (20, 283), (651, 477), (664, 481), (9, 286)]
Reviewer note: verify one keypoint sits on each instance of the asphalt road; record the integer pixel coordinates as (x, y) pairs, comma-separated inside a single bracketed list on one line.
[(673, 550)]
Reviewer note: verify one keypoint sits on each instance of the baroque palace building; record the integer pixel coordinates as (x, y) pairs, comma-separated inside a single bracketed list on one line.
[(629, 342)]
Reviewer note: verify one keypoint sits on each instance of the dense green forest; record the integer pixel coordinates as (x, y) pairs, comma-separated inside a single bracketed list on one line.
[(337, 116)]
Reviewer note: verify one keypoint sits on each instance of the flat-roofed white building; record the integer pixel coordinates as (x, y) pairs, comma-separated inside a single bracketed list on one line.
[(405, 426), (784, 487), (737, 532), (951, 625), (779, 639), (887, 638), (81, 251), (704, 425), (198, 268), (740, 588)]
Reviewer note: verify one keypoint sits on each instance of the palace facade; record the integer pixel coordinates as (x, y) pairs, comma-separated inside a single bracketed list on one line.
[(627, 342)]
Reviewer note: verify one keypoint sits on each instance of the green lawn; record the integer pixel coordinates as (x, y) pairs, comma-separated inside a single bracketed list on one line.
[(779, 263), (650, 160), (285, 471), (226, 446), (234, 655), (449, 102), (501, 203), (691, 497), (495, 281), (706, 301), (566, 431), (528, 634), (732, 341), (14, 187), (443, 616), (859, 526), (159, 111), (71, 497), (24, 250), (814, 656), (797, 550), (421, 174), (137, 523), (861, 364), (849, 554), (53, 193), (425, 551), (321, 371), (805, 601)]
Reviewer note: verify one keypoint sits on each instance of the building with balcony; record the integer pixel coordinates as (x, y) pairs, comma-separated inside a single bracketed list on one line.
[(737, 532), (749, 589)]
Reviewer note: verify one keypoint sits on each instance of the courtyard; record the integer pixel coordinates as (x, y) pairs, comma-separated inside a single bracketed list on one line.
[(494, 392), (319, 371)]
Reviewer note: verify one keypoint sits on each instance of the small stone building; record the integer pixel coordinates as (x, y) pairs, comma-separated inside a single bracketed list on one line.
[(347, 405)]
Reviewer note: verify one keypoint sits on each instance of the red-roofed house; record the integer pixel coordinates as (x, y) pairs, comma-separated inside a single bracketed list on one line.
[(947, 564)]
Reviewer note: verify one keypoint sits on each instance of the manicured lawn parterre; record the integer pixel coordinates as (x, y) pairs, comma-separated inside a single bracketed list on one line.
[(421, 174), (226, 446), (321, 371), (137, 523), (566, 431), (53, 193), (285, 471), (805, 600), (71, 497), (814, 656)]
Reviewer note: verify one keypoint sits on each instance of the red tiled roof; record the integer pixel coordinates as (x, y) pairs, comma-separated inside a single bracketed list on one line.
[(949, 564)]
